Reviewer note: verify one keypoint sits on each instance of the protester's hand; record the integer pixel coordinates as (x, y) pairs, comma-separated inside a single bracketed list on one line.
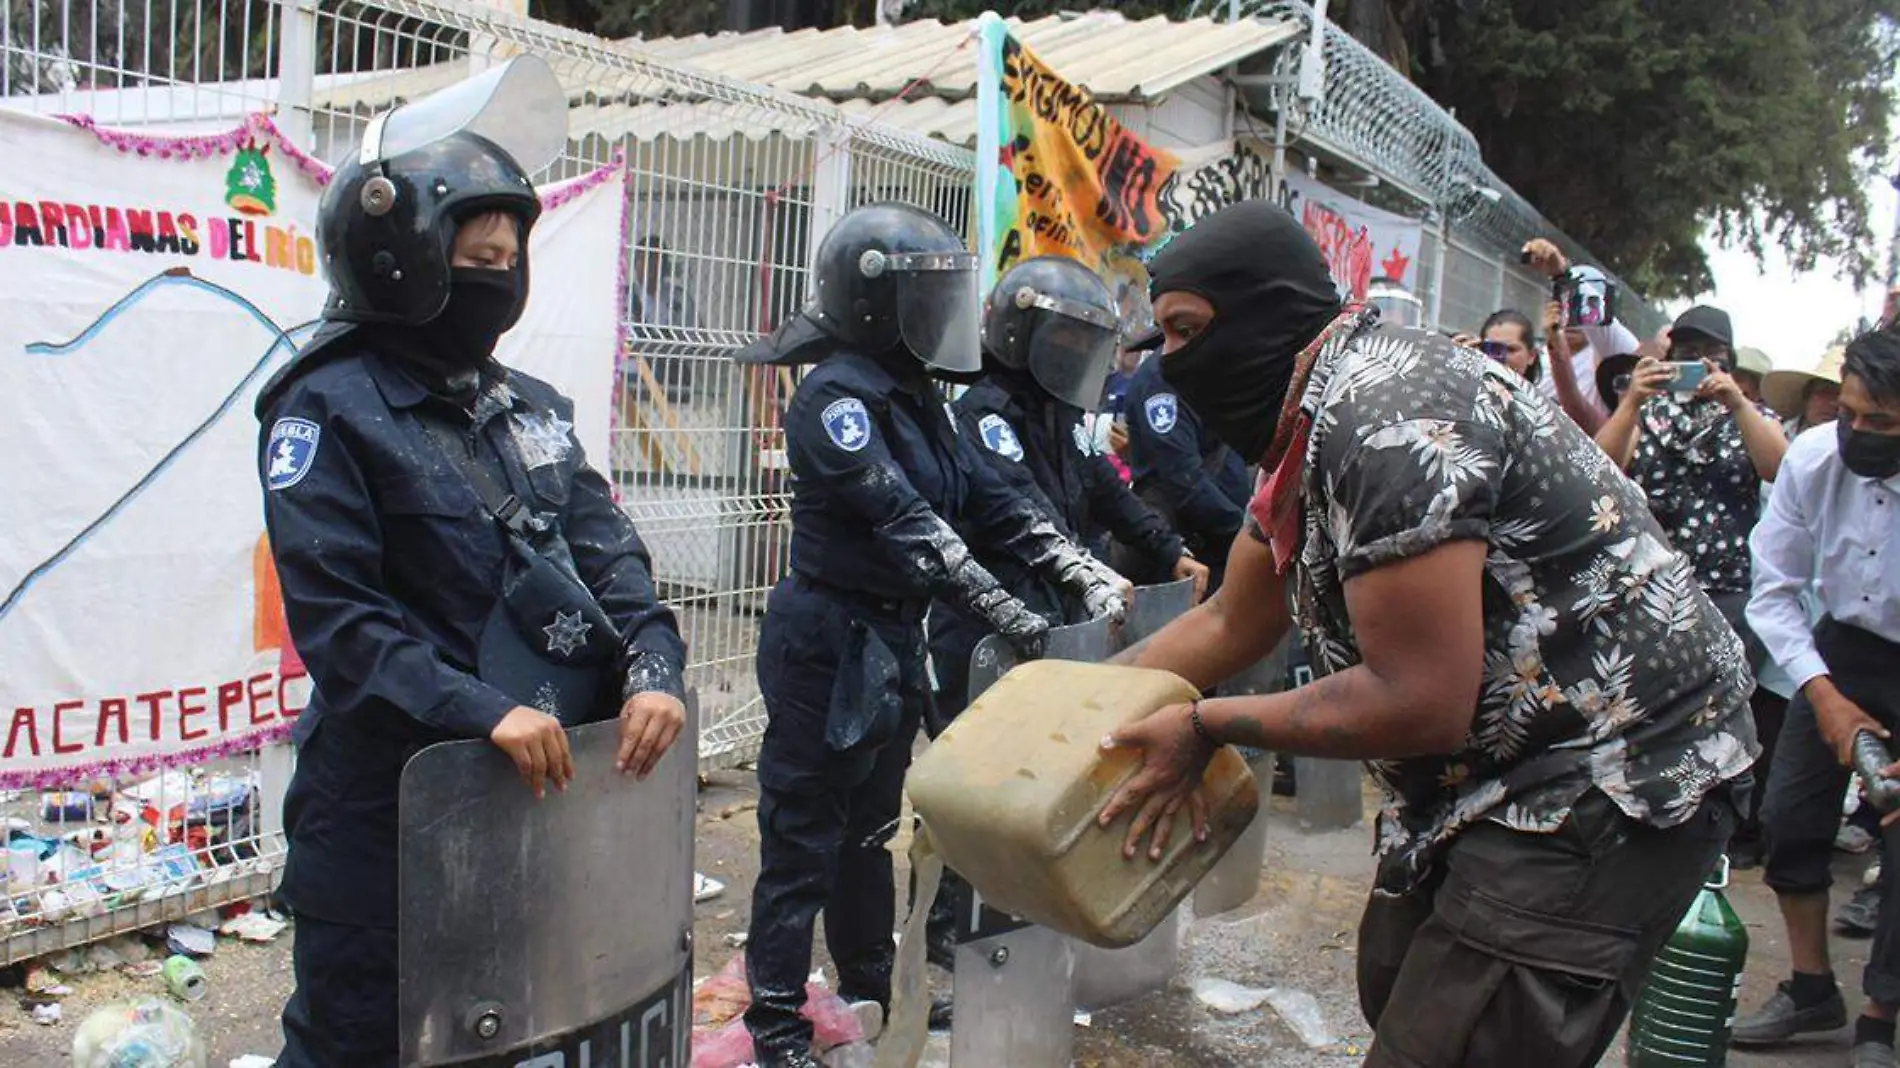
[(1650, 377), (1721, 386), (649, 724), (536, 743), (1553, 319), (1189, 568), (1840, 720), (1469, 341), (1117, 437), (1546, 258), (1173, 759)]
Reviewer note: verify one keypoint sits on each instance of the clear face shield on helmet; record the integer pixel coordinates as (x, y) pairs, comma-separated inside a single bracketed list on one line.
[(1072, 349), (939, 305), (1396, 306), (519, 106)]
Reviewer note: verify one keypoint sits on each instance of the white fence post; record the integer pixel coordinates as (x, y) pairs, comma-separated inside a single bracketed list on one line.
[(297, 69)]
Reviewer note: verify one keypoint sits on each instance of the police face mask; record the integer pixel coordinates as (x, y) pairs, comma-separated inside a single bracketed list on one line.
[(1868, 454), (483, 303), (1272, 295)]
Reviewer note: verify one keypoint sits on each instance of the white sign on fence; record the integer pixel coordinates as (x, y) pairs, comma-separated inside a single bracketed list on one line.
[(148, 287)]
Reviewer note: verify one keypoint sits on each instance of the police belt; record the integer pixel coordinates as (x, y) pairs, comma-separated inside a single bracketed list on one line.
[(901, 609)]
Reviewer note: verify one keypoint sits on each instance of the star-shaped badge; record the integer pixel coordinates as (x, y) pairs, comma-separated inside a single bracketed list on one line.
[(567, 633)]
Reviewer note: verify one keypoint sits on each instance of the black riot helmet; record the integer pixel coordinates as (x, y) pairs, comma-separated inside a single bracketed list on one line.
[(388, 220), (1055, 319), (892, 274)]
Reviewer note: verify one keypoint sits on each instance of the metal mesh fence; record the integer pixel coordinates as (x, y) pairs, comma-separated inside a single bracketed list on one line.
[(728, 184)]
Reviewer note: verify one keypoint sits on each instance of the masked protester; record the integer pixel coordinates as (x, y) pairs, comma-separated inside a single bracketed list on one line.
[(426, 606), (1829, 534), (1556, 713), (879, 479)]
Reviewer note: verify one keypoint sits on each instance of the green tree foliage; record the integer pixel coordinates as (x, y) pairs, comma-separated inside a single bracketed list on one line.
[(1637, 124)]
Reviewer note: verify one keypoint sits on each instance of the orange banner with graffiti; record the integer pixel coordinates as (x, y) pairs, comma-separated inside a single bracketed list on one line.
[(1071, 180)]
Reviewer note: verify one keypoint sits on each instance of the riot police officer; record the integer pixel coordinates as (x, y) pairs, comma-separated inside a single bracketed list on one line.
[(879, 477), (409, 479), (1050, 337), (1186, 473), (1049, 340)]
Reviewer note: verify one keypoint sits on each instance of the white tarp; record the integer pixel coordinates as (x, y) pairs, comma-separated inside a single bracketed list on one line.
[(148, 287)]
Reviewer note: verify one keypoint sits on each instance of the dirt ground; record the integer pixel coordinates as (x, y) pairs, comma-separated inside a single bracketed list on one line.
[(1297, 933)]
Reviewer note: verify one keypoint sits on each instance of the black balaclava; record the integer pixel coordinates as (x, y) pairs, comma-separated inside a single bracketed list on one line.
[(1272, 295), (450, 352)]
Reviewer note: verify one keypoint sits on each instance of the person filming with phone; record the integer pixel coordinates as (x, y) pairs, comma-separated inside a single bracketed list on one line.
[(1700, 450)]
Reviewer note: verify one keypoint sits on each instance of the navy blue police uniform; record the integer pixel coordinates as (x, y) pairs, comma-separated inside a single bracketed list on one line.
[(1041, 449), (447, 556), (1199, 485), (390, 567), (879, 477)]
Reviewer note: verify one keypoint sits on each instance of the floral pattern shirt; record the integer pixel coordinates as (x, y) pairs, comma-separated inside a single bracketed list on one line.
[(1702, 486), (1606, 665)]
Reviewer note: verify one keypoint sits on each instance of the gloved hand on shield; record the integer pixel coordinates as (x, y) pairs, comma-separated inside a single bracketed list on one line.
[(1102, 590), (1026, 632)]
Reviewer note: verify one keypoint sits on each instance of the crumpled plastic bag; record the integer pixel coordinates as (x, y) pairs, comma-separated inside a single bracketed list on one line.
[(145, 1032), (720, 1039)]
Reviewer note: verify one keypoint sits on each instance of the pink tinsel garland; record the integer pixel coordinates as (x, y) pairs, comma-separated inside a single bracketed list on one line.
[(67, 777), (205, 146)]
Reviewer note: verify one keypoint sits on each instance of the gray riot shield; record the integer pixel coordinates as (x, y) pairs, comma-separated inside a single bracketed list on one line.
[(1012, 978), (551, 932), (1153, 608)]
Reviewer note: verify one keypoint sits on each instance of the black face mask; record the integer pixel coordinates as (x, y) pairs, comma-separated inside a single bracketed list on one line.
[(1272, 295), (482, 305), (1868, 454)]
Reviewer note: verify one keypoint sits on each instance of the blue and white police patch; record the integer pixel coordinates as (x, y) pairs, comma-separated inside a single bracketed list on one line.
[(847, 424), (291, 451), (1163, 410), (1000, 437)]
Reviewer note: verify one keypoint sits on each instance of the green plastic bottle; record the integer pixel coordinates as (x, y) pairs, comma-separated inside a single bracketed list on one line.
[(1687, 1007)]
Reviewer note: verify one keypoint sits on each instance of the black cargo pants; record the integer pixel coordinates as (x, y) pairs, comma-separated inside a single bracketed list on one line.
[(1529, 949)]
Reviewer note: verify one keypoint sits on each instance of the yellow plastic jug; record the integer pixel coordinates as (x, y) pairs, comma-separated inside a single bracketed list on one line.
[(1011, 790)]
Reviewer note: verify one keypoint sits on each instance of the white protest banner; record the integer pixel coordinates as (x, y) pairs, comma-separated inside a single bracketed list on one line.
[(149, 285), (1360, 242)]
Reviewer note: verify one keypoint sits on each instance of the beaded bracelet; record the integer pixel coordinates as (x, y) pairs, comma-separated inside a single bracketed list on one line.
[(1200, 726)]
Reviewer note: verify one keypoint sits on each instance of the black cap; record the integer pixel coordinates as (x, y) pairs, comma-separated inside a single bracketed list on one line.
[(1709, 322)]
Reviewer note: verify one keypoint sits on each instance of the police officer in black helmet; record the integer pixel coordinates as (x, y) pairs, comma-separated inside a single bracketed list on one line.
[(410, 480), (884, 494)]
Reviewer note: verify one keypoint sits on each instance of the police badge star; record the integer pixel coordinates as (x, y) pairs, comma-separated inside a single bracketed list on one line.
[(567, 633)]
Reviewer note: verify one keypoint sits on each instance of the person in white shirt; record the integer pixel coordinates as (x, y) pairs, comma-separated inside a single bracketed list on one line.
[(1584, 346), (1831, 528)]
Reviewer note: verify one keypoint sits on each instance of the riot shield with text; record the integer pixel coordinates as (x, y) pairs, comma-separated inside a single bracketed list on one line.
[(1012, 977), (547, 932)]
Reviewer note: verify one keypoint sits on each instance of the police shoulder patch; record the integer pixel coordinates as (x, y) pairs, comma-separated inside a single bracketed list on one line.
[(1163, 411), (1000, 437), (290, 452), (847, 424)]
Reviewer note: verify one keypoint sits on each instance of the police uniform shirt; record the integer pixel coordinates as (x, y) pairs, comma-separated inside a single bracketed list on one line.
[(1176, 460), (879, 474), (390, 565), (1042, 450)]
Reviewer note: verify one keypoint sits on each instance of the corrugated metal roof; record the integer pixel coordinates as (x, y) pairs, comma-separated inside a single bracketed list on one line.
[(1116, 58)]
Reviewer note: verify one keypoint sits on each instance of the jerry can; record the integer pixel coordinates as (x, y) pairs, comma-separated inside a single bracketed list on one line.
[(1687, 1007), (1010, 792)]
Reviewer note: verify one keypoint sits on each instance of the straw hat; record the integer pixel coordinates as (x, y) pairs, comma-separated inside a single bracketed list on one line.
[(1754, 361), (1782, 389)]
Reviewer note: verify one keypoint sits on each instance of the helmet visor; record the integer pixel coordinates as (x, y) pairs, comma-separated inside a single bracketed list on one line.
[(1072, 350), (939, 308), (1397, 309), (519, 106)]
